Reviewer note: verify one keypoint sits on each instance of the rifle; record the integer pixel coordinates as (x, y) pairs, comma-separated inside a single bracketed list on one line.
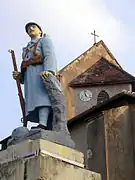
[(20, 94)]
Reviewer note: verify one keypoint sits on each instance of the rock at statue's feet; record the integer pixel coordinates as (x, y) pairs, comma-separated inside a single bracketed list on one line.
[(19, 134), (53, 136), (22, 133)]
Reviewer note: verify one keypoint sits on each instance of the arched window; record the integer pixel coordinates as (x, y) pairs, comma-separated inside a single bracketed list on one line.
[(102, 96)]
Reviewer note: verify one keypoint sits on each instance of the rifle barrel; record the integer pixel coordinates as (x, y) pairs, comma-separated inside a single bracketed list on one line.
[(20, 94)]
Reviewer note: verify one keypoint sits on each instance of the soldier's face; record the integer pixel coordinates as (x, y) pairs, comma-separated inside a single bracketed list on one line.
[(34, 31)]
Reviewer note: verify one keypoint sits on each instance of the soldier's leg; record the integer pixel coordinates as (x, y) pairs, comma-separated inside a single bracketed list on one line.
[(43, 116)]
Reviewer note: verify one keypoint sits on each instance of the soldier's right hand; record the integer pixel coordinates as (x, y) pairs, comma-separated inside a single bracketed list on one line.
[(16, 75)]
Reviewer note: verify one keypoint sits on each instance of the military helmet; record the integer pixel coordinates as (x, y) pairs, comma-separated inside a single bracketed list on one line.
[(33, 23)]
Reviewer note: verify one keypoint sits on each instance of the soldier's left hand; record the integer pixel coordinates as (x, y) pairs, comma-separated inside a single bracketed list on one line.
[(45, 74)]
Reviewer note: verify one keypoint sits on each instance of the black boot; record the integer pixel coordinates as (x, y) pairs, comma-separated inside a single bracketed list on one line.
[(40, 126)]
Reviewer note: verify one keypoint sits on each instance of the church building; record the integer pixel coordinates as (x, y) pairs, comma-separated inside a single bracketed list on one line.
[(101, 111), (93, 77)]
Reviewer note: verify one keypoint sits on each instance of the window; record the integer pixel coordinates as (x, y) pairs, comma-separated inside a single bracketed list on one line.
[(102, 96)]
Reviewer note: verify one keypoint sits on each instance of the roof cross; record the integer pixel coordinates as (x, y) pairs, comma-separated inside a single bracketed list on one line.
[(94, 34)]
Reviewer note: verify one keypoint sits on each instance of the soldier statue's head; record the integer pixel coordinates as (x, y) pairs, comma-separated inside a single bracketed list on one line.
[(33, 30)]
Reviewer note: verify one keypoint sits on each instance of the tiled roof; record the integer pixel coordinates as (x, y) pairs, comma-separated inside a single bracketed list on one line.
[(101, 73)]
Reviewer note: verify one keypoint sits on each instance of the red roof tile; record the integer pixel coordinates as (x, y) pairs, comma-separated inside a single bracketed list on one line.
[(101, 73)]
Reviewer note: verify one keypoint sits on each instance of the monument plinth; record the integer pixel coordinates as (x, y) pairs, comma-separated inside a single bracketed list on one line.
[(41, 159)]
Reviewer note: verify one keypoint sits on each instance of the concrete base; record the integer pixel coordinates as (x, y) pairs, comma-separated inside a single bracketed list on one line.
[(22, 133), (36, 147), (43, 160), (53, 136)]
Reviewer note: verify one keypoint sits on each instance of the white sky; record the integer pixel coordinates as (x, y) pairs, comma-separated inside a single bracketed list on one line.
[(69, 23)]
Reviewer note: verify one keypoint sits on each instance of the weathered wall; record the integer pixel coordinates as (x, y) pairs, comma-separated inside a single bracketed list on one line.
[(119, 144), (96, 158), (13, 170), (79, 136), (44, 168), (43, 160), (111, 139), (53, 169), (90, 136), (132, 118), (80, 65), (81, 106), (27, 147)]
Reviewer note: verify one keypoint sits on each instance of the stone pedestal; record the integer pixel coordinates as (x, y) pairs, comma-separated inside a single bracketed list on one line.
[(43, 160), (22, 133)]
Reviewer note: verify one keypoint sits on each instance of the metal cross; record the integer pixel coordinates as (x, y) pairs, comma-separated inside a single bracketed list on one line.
[(94, 34)]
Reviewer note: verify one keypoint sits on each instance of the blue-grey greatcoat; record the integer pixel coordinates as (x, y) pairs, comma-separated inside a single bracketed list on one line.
[(35, 93)]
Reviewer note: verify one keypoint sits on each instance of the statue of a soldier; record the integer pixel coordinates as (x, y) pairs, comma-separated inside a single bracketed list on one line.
[(44, 99), (38, 57)]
